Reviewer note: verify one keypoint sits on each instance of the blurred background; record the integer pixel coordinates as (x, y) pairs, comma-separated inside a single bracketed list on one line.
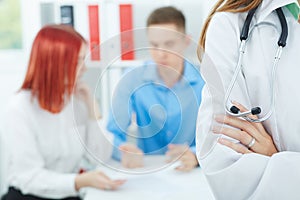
[(100, 22), (21, 19)]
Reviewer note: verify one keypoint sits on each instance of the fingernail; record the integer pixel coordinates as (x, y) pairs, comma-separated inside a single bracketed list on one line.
[(214, 129), (219, 118), (221, 141), (235, 102)]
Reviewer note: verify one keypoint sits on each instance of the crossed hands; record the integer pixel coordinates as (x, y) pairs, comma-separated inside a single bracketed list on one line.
[(252, 136)]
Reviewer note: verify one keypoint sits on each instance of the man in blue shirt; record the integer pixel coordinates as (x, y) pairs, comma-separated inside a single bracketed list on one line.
[(163, 95)]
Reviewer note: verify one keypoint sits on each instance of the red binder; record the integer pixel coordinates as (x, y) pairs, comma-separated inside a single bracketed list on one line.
[(126, 25), (94, 29)]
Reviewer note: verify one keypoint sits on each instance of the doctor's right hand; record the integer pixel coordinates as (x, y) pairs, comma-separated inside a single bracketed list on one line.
[(131, 156), (96, 179)]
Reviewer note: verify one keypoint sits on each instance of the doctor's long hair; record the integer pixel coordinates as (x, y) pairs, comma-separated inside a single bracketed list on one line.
[(225, 6), (52, 67)]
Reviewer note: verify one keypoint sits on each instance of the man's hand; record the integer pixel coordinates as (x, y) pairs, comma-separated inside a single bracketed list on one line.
[(131, 156), (182, 152)]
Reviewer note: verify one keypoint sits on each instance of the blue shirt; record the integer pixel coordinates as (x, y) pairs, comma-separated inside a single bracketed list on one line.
[(163, 115)]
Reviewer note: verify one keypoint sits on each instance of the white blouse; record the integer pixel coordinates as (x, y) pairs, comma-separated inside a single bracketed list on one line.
[(46, 150)]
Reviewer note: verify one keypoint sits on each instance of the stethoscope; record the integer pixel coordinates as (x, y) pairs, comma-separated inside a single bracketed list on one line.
[(235, 111)]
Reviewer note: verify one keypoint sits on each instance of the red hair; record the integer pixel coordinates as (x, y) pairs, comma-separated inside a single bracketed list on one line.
[(52, 67)]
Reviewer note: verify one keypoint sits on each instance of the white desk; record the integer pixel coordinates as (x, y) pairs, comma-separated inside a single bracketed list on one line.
[(157, 181)]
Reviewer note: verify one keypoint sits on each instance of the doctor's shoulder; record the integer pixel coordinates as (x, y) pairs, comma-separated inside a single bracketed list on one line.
[(224, 23)]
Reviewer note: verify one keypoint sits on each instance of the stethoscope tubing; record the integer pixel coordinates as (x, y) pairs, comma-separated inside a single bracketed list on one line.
[(244, 37)]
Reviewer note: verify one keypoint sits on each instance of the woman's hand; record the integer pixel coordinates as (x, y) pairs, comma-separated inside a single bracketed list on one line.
[(97, 180), (82, 91), (252, 135)]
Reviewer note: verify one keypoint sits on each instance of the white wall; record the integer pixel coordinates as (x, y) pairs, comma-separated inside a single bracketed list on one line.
[(13, 62)]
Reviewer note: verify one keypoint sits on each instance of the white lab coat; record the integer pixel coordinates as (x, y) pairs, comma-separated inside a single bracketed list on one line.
[(46, 150), (252, 176)]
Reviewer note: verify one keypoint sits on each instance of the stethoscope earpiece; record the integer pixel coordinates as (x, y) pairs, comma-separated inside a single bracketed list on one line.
[(234, 109), (256, 111)]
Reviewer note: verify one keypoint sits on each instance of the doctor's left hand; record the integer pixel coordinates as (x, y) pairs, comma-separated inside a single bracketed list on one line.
[(186, 157), (253, 136)]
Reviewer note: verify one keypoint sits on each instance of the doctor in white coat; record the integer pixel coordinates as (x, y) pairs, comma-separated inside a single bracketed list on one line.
[(241, 159)]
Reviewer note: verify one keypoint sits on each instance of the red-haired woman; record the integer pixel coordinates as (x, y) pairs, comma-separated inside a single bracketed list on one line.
[(48, 121)]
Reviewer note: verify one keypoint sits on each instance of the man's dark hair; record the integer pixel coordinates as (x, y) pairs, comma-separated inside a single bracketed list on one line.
[(167, 15)]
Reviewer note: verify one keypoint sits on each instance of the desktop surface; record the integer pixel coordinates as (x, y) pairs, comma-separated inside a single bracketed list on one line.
[(158, 180)]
